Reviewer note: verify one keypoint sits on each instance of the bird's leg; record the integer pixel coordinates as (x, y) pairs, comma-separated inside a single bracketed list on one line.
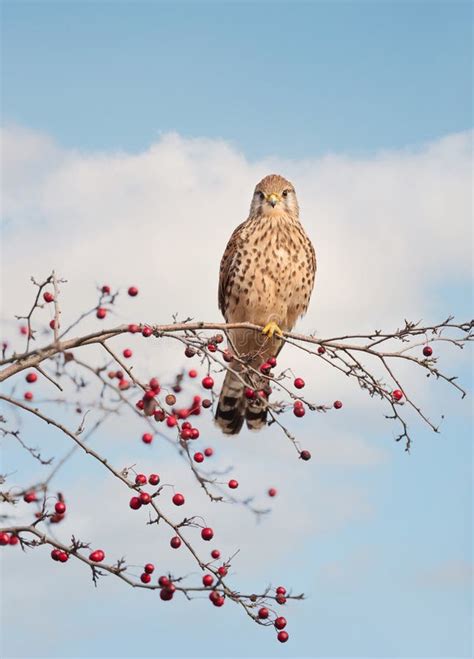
[(272, 328)]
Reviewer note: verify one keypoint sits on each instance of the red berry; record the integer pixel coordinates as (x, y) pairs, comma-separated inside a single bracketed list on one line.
[(175, 542), (233, 484), (101, 312), (194, 433), (52, 324), (249, 393), (198, 457), (265, 368), (272, 361), (215, 553), (149, 568), (272, 492), (133, 291), (145, 578), (208, 452), (207, 580), (207, 382), (63, 557), (397, 394), (48, 297), (228, 357), (222, 570), (212, 347), (23, 330), (145, 498), (321, 350), (28, 395), (60, 507), (147, 438), (305, 455), (4, 538), (207, 533), (178, 499), (140, 479), (159, 415), (299, 410), (281, 599), (171, 421), (185, 434), (127, 353), (97, 556), (14, 540), (281, 590), (280, 622), (124, 384), (164, 582), (147, 331), (192, 373), (133, 328), (427, 351), (148, 395), (218, 601), (283, 637), (29, 497), (106, 289), (166, 594), (135, 503), (299, 383), (55, 554), (263, 613), (154, 385), (153, 479), (31, 377), (140, 404), (337, 404)]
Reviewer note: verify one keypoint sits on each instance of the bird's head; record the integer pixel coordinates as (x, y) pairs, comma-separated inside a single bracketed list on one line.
[(273, 196)]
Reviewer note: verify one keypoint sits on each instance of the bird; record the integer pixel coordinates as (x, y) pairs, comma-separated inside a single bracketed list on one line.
[(266, 278)]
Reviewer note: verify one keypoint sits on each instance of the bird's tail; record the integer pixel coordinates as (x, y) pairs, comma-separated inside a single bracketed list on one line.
[(234, 407)]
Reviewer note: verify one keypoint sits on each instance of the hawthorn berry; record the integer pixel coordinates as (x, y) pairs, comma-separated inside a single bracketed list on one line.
[(133, 291), (124, 384), (31, 377), (14, 540), (55, 554), (280, 622), (265, 368), (192, 373), (171, 421), (272, 492), (185, 434), (133, 328), (233, 484), (149, 568), (63, 557), (178, 499), (208, 580), (427, 351), (208, 452), (148, 395), (28, 395), (145, 578), (97, 556), (249, 393), (147, 331), (101, 312), (211, 347), (164, 582), (140, 404), (48, 297), (127, 353), (4, 539), (155, 385), (166, 594), (215, 553), (153, 479), (175, 542), (135, 503), (52, 324), (337, 404), (207, 382), (283, 636), (60, 507), (218, 601), (321, 350), (145, 498), (272, 361), (305, 455), (198, 457), (140, 479), (147, 438), (222, 570), (29, 496), (298, 409), (207, 533), (263, 613), (281, 599), (397, 394), (106, 289), (194, 433)]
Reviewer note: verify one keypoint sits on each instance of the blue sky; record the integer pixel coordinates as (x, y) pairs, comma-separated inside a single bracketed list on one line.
[(380, 544)]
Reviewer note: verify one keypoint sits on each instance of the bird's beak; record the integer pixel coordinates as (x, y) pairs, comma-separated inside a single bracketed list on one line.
[(273, 199)]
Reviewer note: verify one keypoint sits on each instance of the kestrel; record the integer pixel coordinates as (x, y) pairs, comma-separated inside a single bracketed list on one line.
[(266, 278)]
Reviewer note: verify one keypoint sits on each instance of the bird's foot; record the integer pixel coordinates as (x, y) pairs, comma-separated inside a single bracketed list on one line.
[(272, 328)]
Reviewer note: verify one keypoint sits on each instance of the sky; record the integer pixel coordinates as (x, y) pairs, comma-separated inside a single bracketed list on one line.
[(132, 137)]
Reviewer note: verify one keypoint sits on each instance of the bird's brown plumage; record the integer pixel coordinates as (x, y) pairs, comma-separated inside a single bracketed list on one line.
[(267, 274)]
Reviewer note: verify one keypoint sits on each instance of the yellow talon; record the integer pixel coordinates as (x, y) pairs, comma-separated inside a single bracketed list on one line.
[(272, 328)]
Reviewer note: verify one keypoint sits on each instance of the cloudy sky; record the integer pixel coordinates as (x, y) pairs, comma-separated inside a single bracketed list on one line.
[(132, 137)]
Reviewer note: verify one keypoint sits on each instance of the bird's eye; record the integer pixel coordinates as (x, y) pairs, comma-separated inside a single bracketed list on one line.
[(285, 193), (261, 195)]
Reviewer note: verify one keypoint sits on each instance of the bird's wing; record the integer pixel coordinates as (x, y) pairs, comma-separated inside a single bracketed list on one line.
[(228, 262)]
